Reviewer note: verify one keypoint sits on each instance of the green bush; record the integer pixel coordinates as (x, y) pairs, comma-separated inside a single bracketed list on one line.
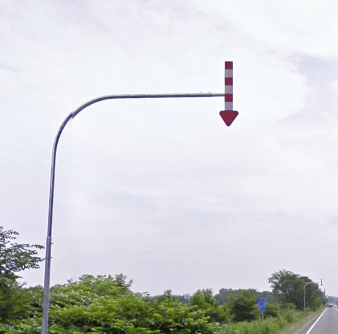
[(204, 300), (243, 305), (106, 305), (271, 310)]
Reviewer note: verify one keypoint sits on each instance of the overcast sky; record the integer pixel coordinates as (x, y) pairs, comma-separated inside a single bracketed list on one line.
[(161, 190)]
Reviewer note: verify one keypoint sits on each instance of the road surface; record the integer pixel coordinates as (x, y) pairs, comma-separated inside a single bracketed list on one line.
[(327, 323)]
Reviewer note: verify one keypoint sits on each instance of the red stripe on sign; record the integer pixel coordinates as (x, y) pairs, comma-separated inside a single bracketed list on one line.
[(228, 97), (228, 65), (228, 81)]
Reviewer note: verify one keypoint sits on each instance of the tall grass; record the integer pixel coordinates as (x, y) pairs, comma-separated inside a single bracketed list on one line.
[(268, 326)]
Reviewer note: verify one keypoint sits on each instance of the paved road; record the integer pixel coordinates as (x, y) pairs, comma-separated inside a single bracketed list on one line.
[(327, 323)]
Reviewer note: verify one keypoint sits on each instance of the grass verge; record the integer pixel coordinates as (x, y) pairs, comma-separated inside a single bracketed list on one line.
[(287, 323), (300, 323)]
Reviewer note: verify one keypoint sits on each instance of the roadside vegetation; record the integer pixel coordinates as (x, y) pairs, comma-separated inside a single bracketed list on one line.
[(106, 304), (287, 323)]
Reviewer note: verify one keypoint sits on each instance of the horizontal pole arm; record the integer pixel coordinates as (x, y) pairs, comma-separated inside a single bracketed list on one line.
[(144, 96), (45, 304)]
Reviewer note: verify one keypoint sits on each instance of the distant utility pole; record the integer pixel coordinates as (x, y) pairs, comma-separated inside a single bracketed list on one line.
[(321, 283)]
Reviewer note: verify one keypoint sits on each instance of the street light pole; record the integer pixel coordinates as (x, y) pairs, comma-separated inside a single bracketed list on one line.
[(45, 303), (304, 290)]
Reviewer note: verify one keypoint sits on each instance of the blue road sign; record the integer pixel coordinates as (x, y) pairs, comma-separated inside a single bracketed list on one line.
[(261, 304)]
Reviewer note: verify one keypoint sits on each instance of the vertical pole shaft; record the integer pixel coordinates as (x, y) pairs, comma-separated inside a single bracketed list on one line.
[(304, 298), (45, 303), (48, 259)]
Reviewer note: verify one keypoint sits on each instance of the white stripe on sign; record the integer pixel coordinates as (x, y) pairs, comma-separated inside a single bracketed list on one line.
[(228, 106), (228, 73), (228, 90), (315, 322)]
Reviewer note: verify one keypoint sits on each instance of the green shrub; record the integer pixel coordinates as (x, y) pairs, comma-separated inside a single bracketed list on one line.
[(107, 306), (271, 310)]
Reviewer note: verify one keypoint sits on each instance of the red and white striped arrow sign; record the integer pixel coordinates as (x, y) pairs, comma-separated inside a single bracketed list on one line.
[(228, 114)]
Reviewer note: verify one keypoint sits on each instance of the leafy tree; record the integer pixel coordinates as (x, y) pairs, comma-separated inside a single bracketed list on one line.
[(185, 299), (288, 287), (243, 305), (223, 295), (267, 295), (14, 258), (205, 300)]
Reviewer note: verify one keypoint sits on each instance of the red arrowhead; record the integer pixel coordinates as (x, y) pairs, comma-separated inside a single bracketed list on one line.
[(228, 116)]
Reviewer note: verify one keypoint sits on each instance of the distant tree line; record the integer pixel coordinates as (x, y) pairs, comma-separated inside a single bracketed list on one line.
[(105, 304), (241, 305)]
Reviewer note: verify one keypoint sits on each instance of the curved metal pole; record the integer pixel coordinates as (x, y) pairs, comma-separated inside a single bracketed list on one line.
[(304, 291), (45, 303)]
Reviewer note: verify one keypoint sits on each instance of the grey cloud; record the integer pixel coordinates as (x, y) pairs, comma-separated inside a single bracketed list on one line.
[(7, 67), (333, 221), (320, 101)]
